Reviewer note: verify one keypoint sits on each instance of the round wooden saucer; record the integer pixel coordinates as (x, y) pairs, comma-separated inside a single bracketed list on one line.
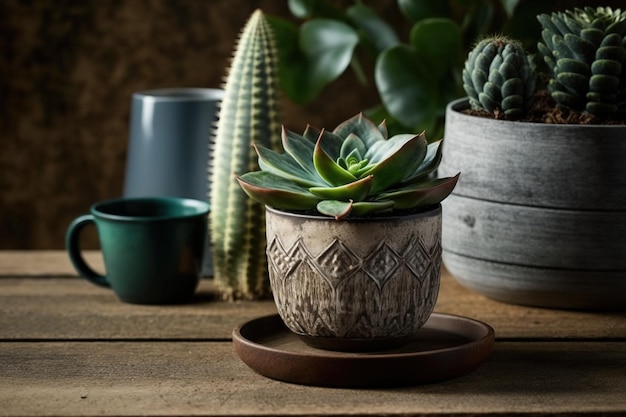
[(446, 347)]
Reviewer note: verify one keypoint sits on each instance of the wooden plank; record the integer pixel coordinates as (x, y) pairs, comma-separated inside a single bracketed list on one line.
[(54, 308), (75, 309), (207, 378), (44, 263)]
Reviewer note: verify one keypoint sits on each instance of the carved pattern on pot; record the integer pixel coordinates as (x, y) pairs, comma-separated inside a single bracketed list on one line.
[(389, 292)]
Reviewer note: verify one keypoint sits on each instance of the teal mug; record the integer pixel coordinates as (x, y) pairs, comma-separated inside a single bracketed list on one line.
[(152, 247)]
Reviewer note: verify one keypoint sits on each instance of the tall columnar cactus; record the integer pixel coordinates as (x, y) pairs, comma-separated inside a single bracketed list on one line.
[(499, 76), (585, 50), (248, 115)]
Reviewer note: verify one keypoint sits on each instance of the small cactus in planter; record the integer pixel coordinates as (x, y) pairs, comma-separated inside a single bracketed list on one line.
[(355, 170), (585, 50), (353, 232), (498, 76)]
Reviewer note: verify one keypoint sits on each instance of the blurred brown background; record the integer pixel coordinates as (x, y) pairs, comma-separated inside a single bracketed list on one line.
[(68, 69), (67, 72)]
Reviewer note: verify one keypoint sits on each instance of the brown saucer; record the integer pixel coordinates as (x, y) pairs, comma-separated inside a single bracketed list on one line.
[(446, 347)]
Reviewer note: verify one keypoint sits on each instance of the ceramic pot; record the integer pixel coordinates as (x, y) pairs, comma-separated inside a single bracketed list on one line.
[(539, 214), (360, 284)]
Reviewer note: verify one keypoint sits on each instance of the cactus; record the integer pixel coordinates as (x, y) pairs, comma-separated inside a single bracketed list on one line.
[(248, 115), (499, 76), (585, 51)]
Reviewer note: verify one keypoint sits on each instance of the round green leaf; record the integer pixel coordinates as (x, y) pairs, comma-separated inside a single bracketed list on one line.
[(378, 32), (292, 64), (301, 8), (419, 9), (406, 86), (446, 52), (328, 46), (334, 208)]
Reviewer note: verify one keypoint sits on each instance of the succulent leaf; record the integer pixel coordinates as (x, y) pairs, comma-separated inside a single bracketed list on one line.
[(334, 208), (499, 76), (362, 127), (353, 147), (300, 150), (595, 39), (576, 47), (364, 208), (425, 194), (592, 35), (429, 164), (311, 133), (356, 190), (393, 158), (284, 166), (572, 65), (364, 167), (382, 128), (331, 143), (333, 173), (271, 190)]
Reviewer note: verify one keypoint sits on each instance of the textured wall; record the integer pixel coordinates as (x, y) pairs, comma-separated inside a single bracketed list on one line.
[(67, 72)]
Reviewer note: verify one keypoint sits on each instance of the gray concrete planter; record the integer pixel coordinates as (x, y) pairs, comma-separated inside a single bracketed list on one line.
[(539, 214), (362, 284)]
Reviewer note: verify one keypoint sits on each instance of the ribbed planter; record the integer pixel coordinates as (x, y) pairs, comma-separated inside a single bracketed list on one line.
[(539, 214), (361, 284)]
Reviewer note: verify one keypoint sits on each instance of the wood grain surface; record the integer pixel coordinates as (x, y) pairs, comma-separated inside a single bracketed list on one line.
[(207, 378), (68, 347)]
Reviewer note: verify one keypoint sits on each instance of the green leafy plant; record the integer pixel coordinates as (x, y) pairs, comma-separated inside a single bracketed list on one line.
[(355, 170), (415, 76), (248, 114), (498, 76), (585, 50)]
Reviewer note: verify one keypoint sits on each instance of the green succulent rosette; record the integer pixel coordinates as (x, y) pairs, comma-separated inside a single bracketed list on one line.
[(355, 170)]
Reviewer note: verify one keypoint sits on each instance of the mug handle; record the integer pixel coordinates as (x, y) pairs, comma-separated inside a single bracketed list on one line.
[(72, 243)]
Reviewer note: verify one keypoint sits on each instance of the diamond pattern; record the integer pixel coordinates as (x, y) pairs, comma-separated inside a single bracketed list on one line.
[(419, 258), (278, 258), (381, 264), (284, 262), (337, 262), (388, 291)]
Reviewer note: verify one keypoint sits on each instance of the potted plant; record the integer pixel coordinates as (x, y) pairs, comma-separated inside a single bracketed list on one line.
[(389, 49), (539, 217), (353, 232)]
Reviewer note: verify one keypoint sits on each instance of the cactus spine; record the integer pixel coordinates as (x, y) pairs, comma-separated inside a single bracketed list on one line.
[(499, 76), (248, 114)]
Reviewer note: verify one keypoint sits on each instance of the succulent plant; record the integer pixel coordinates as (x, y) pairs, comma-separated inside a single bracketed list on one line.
[(585, 50), (355, 170), (499, 76), (248, 114)]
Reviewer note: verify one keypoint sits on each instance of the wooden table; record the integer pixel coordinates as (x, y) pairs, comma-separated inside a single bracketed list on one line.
[(70, 348)]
